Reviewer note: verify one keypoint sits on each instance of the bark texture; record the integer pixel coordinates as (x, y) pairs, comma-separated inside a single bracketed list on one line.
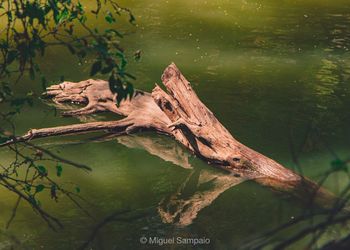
[(178, 112)]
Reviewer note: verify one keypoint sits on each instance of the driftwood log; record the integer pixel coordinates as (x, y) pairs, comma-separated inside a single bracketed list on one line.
[(179, 113)]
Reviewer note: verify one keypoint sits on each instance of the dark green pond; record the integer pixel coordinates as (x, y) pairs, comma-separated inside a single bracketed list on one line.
[(275, 73)]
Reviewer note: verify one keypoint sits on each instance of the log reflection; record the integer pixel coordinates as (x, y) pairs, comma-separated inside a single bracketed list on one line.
[(203, 186)]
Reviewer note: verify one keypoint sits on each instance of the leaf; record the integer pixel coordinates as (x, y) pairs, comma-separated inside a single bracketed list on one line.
[(132, 18), (109, 18), (77, 189), (39, 188), (123, 61), (59, 170), (107, 69), (121, 95), (137, 55), (32, 200), (129, 90), (117, 33), (42, 170), (53, 192), (3, 139), (80, 7), (62, 16), (115, 84), (339, 165), (83, 19), (7, 90), (11, 56), (96, 67), (28, 187), (4, 44)]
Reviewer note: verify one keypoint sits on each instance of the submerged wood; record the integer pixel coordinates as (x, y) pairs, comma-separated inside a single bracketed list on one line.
[(178, 112)]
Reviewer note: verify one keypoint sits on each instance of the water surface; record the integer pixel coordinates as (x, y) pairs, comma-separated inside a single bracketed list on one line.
[(275, 73)]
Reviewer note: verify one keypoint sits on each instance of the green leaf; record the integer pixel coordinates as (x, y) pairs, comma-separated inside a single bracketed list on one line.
[(42, 170), (39, 188), (121, 95), (32, 200), (77, 189), (28, 187), (11, 56), (129, 90), (62, 16), (59, 170), (53, 192), (117, 33), (109, 18), (96, 67), (339, 165), (83, 19), (80, 7), (132, 18), (107, 69), (3, 139)]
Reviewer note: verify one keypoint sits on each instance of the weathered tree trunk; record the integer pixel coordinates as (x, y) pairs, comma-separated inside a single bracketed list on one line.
[(179, 113)]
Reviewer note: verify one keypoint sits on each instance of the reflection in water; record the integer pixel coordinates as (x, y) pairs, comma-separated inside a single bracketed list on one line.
[(274, 73), (168, 150), (119, 216), (202, 186), (198, 191)]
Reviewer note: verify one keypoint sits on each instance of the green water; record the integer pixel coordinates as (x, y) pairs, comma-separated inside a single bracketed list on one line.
[(275, 73)]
